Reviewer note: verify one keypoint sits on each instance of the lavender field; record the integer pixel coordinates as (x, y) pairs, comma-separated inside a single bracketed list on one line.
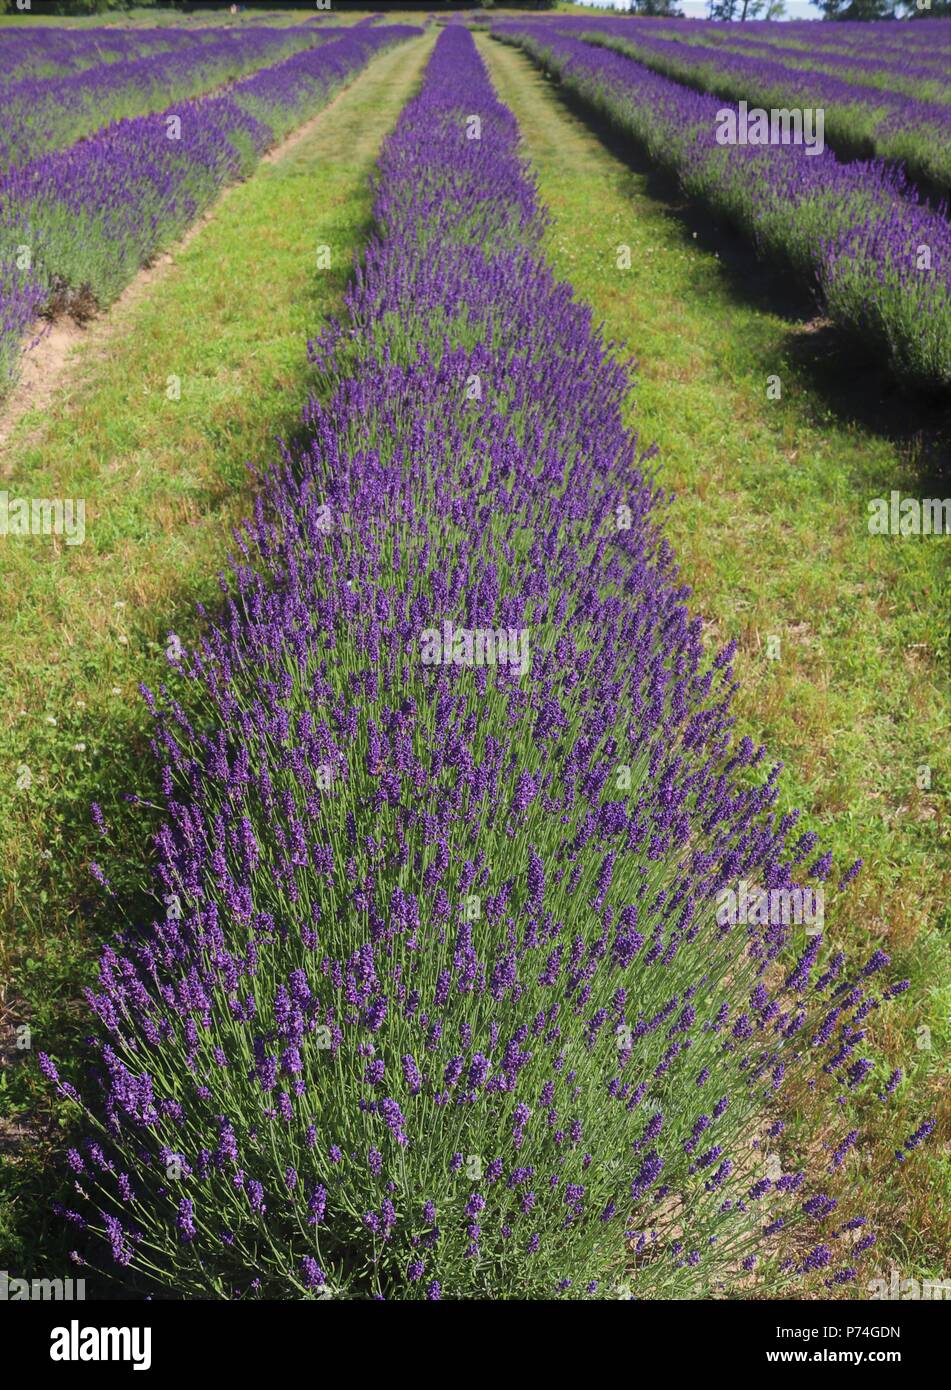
[(475, 683), (860, 229)]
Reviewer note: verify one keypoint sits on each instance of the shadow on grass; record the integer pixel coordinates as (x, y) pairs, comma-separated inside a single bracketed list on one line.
[(55, 920), (843, 374)]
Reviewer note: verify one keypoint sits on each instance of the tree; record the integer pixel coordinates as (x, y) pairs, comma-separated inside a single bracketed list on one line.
[(661, 9), (74, 7), (727, 10), (857, 9), (927, 9)]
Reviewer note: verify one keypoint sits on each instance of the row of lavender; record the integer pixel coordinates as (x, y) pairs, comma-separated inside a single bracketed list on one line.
[(41, 51), (76, 224), (884, 39), (921, 69), (861, 119), (880, 255), (902, 66), (42, 114), (440, 1004)]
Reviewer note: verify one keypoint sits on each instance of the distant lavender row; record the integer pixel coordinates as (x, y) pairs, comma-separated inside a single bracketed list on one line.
[(880, 257), (861, 120), (921, 74), (872, 49), (440, 1006), (931, 38), (37, 115), (46, 51), (80, 222)]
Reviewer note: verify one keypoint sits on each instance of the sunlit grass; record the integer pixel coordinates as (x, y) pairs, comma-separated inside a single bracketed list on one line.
[(770, 526)]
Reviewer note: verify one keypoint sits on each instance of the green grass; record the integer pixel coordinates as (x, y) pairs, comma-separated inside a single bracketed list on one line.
[(162, 480), (770, 526)]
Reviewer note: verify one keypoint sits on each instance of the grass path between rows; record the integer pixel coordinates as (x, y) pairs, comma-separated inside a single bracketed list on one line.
[(224, 328), (770, 527)]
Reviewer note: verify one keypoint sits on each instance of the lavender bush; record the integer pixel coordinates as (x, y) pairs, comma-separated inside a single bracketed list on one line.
[(22, 295), (919, 69), (863, 118), (84, 219), (43, 114), (437, 1002), (881, 256), (56, 50)]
